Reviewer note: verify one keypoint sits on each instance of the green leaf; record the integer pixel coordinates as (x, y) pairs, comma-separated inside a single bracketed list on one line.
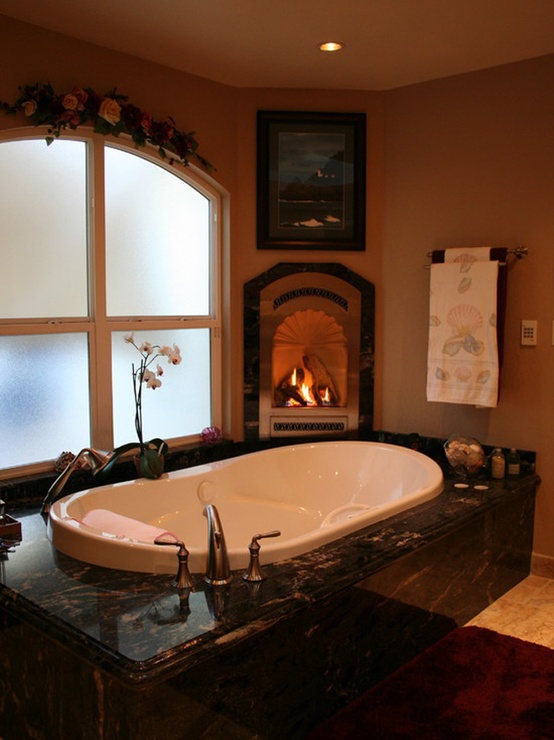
[(158, 444), (150, 463)]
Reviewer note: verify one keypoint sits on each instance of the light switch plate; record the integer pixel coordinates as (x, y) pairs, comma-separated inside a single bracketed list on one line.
[(528, 333)]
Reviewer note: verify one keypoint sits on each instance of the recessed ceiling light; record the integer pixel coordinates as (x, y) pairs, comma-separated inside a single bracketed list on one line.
[(330, 46)]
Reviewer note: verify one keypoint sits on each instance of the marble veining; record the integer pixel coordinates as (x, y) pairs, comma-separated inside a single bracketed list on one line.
[(126, 656), (137, 624)]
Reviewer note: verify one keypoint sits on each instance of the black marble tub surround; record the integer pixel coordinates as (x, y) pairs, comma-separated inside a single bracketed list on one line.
[(125, 655)]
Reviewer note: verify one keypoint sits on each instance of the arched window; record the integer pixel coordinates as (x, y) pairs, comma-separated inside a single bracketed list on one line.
[(97, 242)]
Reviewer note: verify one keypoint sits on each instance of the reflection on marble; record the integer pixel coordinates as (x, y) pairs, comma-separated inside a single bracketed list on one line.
[(127, 656)]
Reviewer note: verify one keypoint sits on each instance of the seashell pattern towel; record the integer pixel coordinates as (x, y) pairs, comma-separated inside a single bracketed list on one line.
[(462, 362)]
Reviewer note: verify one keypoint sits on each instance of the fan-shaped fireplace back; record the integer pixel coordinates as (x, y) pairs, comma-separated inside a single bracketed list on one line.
[(308, 352)]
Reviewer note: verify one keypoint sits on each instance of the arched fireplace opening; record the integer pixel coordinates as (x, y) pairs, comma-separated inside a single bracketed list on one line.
[(309, 359)]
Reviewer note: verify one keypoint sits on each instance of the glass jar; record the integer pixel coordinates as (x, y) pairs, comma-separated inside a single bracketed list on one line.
[(498, 463)]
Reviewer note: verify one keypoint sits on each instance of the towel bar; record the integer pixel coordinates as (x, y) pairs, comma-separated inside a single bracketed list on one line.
[(518, 252)]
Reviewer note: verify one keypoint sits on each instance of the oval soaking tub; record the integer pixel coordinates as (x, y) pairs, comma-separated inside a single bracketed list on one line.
[(313, 493)]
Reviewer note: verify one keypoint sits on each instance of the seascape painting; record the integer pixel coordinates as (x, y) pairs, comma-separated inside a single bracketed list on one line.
[(311, 180)]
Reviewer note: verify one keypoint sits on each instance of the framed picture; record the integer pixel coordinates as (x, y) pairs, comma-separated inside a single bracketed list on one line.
[(311, 180)]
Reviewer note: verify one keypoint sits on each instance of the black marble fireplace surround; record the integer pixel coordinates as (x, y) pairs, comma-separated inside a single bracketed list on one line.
[(90, 652), (252, 343)]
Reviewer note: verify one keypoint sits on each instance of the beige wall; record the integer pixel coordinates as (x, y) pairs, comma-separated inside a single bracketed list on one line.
[(465, 160), (469, 160)]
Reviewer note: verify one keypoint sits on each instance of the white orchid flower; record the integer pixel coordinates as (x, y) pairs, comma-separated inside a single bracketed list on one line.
[(153, 382), (146, 348), (175, 356)]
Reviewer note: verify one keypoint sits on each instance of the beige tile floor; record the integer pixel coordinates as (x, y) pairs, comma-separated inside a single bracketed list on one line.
[(526, 611)]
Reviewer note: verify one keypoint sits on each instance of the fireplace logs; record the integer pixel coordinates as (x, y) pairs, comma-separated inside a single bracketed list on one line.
[(307, 385), (323, 389)]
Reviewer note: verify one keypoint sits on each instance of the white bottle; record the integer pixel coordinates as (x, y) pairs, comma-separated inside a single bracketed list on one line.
[(498, 463)]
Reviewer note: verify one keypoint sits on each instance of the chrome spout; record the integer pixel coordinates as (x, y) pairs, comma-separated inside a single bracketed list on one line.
[(97, 460), (218, 571)]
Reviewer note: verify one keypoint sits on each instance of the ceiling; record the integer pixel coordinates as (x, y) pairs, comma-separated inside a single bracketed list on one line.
[(273, 43)]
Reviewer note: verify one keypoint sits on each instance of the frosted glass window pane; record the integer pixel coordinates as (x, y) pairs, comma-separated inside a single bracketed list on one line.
[(43, 240), (181, 406), (157, 240), (44, 397)]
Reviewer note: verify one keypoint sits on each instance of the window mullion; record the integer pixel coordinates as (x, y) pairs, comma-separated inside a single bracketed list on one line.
[(100, 340)]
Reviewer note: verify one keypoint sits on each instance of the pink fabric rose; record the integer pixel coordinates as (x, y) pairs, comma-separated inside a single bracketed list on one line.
[(146, 122), (110, 111), (71, 117), (29, 107), (81, 96), (70, 102)]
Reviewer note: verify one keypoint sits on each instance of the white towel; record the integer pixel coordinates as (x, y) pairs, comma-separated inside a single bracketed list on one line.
[(463, 350), (465, 256), (123, 526)]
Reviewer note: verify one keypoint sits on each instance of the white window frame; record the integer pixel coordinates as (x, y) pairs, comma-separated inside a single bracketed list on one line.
[(98, 326)]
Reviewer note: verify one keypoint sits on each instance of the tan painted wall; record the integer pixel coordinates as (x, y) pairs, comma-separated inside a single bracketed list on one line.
[(469, 160), (465, 160)]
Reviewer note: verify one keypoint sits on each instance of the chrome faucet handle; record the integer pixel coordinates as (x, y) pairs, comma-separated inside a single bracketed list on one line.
[(183, 579), (254, 573)]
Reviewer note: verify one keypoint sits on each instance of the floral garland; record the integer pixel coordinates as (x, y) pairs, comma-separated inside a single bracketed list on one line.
[(109, 114)]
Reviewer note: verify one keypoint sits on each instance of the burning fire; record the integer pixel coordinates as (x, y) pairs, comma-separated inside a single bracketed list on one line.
[(304, 391), (309, 383)]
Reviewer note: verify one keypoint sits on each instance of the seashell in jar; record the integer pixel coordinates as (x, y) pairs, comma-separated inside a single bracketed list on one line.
[(465, 454)]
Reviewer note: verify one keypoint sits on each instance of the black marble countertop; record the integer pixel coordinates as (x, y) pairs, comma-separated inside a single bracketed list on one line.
[(139, 628)]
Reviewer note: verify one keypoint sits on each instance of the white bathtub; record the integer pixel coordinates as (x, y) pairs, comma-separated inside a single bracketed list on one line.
[(313, 493)]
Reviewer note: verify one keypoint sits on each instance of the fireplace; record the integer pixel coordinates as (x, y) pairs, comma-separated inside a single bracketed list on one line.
[(308, 352)]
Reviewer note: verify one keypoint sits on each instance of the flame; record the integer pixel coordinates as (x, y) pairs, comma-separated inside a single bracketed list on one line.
[(305, 391), (307, 395)]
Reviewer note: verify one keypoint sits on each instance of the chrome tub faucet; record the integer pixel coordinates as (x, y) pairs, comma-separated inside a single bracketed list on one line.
[(97, 461), (218, 571)]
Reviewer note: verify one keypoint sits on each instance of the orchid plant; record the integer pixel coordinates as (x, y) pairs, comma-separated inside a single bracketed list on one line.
[(150, 462)]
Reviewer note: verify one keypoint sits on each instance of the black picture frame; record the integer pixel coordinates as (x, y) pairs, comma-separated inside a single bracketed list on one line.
[(311, 180)]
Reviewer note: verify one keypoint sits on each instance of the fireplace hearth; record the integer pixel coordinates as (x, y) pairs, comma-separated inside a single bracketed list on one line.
[(308, 352)]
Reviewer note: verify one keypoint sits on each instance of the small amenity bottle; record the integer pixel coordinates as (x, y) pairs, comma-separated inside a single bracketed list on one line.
[(498, 463), (514, 465)]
